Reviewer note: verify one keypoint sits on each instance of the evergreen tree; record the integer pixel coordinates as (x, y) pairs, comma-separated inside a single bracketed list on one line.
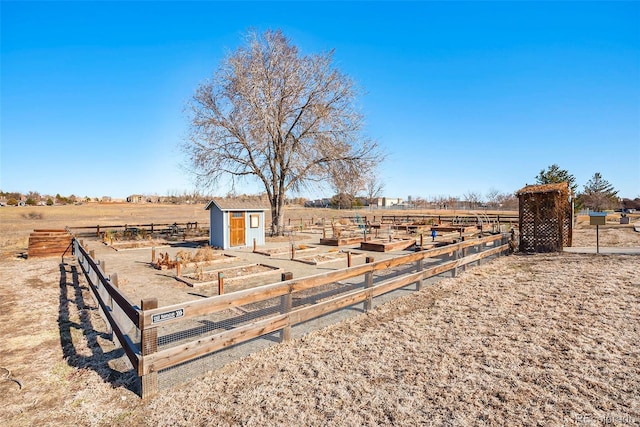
[(554, 175), (599, 194)]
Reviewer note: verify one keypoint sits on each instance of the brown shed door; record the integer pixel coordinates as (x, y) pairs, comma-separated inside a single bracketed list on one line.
[(236, 229)]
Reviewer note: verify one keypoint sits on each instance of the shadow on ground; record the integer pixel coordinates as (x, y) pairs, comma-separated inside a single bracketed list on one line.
[(73, 305)]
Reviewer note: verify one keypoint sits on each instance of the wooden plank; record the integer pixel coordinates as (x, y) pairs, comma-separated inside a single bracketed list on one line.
[(48, 243), (182, 353), (123, 302)]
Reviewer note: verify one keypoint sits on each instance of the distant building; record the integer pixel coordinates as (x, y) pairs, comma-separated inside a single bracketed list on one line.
[(136, 198), (318, 203)]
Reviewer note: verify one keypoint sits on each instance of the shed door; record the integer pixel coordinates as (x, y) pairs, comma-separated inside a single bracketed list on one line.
[(236, 229)]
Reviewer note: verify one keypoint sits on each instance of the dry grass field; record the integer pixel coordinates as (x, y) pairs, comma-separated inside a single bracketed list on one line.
[(522, 340)]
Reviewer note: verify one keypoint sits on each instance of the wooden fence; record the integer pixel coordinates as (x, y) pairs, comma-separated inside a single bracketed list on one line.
[(91, 230), (402, 219), (141, 345)]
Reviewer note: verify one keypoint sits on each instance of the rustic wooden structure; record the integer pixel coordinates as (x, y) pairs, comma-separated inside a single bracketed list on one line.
[(545, 217), (46, 243)]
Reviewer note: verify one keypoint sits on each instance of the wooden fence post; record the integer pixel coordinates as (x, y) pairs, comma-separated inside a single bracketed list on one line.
[(153, 255), (220, 283), (420, 267), (286, 302), (456, 256), (368, 282), (149, 345), (464, 254), (113, 279), (349, 259)]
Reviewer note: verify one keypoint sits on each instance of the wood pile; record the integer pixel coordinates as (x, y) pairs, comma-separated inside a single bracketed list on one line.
[(47, 243)]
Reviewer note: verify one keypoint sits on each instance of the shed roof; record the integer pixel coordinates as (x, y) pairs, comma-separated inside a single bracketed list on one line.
[(562, 187), (237, 205)]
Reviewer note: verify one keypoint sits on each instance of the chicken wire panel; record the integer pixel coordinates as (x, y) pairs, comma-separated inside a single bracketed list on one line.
[(193, 328)]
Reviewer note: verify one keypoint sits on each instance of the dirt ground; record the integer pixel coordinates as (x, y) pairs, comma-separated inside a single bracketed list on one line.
[(522, 340)]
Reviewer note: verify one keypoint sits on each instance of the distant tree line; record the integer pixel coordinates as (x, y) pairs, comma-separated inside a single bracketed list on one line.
[(597, 194)]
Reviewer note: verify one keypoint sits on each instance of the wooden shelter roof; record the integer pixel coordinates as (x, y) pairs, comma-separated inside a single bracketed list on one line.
[(562, 187)]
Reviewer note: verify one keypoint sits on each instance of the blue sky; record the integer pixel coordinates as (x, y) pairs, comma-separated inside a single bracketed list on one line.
[(464, 96)]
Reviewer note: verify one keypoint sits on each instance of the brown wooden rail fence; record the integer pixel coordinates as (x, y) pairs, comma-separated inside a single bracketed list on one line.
[(175, 227), (157, 339)]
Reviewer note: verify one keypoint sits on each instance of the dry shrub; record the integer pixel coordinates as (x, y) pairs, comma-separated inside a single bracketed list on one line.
[(33, 215), (184, 257), (204, 254)]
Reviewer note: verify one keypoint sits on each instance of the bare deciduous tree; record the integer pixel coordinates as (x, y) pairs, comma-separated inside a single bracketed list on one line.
[(473, 199), (347, 181), (276, 115), (373, 187)]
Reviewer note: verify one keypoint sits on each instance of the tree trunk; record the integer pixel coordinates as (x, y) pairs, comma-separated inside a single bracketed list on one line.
[(277, 216)]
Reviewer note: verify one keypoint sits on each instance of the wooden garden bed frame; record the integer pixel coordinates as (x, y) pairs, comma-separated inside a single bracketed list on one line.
[(190, 280), (334, 256), (382, 245)]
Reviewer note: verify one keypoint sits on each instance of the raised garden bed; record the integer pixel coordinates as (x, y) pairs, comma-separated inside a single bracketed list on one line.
[(217, 260), (136, 244), (342, 241), (326, 257), (233, 273), (456, 228), (386, 245), (285, 250)]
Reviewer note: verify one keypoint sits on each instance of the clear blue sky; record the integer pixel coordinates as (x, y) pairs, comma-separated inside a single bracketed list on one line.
[(463, 96)]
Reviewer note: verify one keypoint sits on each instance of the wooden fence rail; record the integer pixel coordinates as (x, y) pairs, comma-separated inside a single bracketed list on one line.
[(152, 227), (98, 282), (149, 362)]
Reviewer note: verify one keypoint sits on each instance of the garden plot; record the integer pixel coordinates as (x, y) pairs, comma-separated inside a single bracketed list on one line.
[(136, 244), (387, 245), (285, 250), (341, 241), (326, 257), (205, 278)]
